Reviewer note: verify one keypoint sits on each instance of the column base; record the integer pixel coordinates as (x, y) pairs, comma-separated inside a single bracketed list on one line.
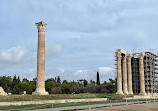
[(126, 93), (121, 93), (40, 93), (131, 93), (143, 94), (2, 92)]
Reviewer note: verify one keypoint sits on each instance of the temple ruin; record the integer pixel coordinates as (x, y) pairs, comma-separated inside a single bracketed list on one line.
[(136, 73)]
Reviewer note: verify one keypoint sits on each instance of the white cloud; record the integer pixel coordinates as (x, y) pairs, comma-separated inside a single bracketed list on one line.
[(21, 54), (105, 70), (80, 73), (13, 55), (83, 74), (106, 73)]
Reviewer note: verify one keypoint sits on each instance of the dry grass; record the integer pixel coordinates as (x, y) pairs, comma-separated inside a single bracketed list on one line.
[(10, 98)]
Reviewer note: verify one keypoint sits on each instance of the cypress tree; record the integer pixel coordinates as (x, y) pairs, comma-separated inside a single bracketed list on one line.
[(58, 80), (98, 79)]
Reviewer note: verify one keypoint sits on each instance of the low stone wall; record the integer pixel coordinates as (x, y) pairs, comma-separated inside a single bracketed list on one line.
[(152, 94), (141, 97), (50, 101)]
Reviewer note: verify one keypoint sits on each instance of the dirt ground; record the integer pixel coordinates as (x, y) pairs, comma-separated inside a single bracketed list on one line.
[(135, 107)]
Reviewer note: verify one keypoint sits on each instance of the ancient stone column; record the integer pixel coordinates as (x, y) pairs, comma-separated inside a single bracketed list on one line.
[(40, 85), (141, 73), (125, 91), (119, 74), (130, 90)]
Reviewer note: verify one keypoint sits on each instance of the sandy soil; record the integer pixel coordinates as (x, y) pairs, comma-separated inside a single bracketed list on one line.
[(136, 107)]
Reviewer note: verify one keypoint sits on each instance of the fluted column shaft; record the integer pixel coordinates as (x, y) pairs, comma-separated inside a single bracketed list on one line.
[(40, 84), (119, 74), (125, 91), (141, 74), (130, 90), (41, 60)]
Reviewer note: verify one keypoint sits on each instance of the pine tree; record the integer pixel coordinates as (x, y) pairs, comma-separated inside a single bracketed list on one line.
[(98, 79)]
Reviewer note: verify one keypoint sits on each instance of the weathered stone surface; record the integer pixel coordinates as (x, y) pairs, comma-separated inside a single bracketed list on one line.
[(119, 74), (125, 75), (130, 90), (141, 74), (40, 85), (2, 92)]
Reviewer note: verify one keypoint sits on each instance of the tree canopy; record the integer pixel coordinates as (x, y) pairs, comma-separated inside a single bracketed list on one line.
[(56, 86)]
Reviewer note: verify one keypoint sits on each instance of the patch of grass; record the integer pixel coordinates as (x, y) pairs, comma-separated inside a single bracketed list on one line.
[(11, 98), (20, 108), (31, 107)]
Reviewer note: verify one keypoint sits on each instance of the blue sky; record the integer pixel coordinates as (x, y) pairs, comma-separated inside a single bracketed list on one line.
[(81, 35)]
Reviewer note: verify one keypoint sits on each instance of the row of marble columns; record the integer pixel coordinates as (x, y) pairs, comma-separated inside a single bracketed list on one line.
[(127, 85)]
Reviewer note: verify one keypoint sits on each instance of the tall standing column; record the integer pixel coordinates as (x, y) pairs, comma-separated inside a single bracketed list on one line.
[(40, 84), (119, 74), (141, 73), (130, 90), (125, 91)]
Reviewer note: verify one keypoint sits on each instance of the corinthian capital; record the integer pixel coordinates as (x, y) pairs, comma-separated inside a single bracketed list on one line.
[(118, 54), (41, 26), (142, 54)]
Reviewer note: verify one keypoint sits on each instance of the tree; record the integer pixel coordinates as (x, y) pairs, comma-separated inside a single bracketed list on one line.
[(51, 80), (92, 82), (91, 88), (33, 86), (16, 81), (98, 79), (6, 83), (15, 86), (50, 84), (25, 80), (25, 87), (65, 81), (78, 90), (110, 88), (85, 82), (112, 81), (58, 80), (56, 90), (105, 82), (65, 88), (34, 80)]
